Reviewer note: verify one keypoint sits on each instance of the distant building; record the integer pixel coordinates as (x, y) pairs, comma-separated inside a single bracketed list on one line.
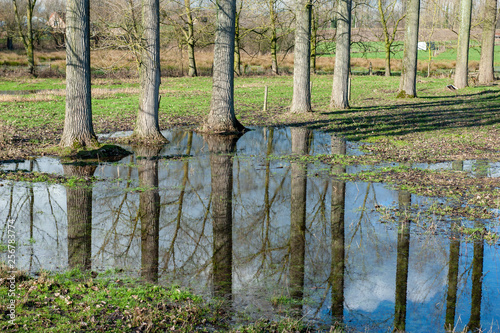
[(57, 21)]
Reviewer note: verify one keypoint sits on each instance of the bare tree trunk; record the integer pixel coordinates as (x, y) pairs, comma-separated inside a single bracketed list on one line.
[(274, 37), (237, 40), (385, 16), (301, 101), (486, 63), (149, 211), (79, 213), (221, 165), (190, 39), (338, 234), (408, 84), (78, 130), (314, 40), (28, 38), (462, 68), (147, 126), (300, 146), (387, 60), (340, 90), (221, 118)]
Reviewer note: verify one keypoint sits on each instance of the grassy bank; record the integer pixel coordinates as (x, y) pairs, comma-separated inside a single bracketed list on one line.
[(438, 125), (83, 301)]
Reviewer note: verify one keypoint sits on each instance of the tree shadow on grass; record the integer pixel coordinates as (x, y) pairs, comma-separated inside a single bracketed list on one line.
[(449, 112)]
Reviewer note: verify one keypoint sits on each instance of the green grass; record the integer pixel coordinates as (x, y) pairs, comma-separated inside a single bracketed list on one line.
[(376, 50), (31, 84), (76, 301)]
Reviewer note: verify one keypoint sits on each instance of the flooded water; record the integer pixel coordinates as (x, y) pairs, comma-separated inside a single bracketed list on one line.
[(230, 217)]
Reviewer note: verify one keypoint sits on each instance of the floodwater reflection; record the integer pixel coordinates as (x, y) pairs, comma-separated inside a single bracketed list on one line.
[(253, 221)]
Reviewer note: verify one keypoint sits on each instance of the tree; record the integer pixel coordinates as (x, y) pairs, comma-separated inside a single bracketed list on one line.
[(78, 130), (301, 101), (8, 27), (486, 63), (340, 90), (387, 15), (408, 83), (147, 125), (27, 37), (462, 67), (182, 19), (221, 117)]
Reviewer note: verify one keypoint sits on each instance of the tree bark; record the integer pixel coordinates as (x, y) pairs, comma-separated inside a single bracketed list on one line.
[(462, 68), (149, 210), (28, 38), (300, 146), (221, 164), (486, 63), (340, 90), (301, 101), (78, 130), (147, 126), (190, 39), (79, 214), (221, 118), (408, 83), (274, 37), (314, 40), (237, 41)]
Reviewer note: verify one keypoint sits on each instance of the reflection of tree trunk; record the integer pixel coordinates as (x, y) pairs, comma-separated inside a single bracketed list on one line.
[(149, 210), (451, 298), (221, 165), (300, 138), (402, 262), (477, 285), (338, 233), (32, 212), (79, 212), (453, 265)]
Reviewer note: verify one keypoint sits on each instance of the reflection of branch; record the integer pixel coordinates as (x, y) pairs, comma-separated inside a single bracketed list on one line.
[(118, 211), (358, 225), (181, 200)]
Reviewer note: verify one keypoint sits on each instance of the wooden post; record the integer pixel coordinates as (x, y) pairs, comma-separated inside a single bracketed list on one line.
[(349, 90), (265, 99)]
